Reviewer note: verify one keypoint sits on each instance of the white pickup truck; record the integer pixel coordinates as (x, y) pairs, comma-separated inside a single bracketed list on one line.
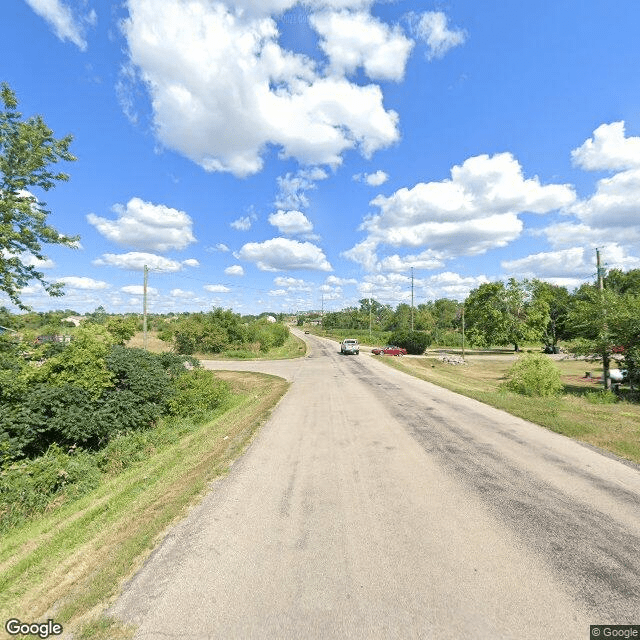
[(350, 345)]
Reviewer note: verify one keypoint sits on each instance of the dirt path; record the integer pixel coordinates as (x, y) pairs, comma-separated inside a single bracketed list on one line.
[(376, 505)]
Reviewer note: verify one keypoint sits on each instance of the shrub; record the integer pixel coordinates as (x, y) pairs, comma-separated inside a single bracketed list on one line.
[(534, 375), (197, 393), (139, 372), (81, 363), (28, 488), (415, 342)]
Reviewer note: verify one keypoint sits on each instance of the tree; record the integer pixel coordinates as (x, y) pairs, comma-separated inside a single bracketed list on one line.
[(501, 315), (559, 301), (27, 151)]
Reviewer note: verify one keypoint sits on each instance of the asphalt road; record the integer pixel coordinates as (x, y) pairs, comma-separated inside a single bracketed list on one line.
[(375, 505)]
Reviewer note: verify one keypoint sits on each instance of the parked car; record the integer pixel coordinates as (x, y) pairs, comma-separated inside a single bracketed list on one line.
[(307, 331), (389, 350), (350, 345)]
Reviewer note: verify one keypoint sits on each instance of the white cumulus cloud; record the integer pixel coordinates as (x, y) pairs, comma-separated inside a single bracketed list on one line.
[(282, 254), (136, 261), (608, 149), (357, 39), (223, 89), (76, 282), (138, 290), (476, 210), (216, 288), (291, 222), (143, 225), (234, 270)]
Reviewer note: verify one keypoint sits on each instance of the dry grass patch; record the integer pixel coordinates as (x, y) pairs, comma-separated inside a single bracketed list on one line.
[(70, 564), (614, 427)]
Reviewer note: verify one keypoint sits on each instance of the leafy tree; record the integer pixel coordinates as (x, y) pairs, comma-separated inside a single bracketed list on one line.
[(559, 301), (122, 328), (621, 282), (604, 323), (27, 151), (499, 315)]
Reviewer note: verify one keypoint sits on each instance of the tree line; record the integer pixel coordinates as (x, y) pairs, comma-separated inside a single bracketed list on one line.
[(591, 320)]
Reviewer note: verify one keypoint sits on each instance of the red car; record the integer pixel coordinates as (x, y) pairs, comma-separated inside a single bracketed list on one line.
[(389, 351)]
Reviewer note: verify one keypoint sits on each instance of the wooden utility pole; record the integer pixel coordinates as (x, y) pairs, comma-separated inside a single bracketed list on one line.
[(144, 309), (463, 331), (411, 298), (605, 356)]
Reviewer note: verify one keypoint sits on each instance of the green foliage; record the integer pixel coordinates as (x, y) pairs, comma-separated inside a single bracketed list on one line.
[(81, 363), (220, 331), (415, 342), (27, 150), (139, 372), (300, 322), (197, 394), (122, 328), (29, 487), (499, 315), (602, 396), (534, 375)]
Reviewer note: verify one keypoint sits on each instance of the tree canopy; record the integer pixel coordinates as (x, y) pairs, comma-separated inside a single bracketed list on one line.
[(28, 149)]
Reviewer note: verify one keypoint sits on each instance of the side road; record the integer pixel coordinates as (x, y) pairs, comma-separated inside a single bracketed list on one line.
[(373, 504)]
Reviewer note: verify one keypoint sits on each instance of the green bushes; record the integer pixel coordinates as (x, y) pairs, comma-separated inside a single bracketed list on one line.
[(534, 375), (197, 394), (58, 438), (29, 487), (415, 342), (223, 331)]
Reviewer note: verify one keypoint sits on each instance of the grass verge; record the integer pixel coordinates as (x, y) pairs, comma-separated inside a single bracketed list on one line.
[(68, 565), (583, 412)]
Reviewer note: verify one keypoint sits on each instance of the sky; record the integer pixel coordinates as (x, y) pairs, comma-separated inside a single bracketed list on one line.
[(270, 155)]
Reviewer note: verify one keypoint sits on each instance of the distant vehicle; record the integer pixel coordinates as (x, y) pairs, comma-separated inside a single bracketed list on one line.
[(389, 350), (350, 345), (307, 331)]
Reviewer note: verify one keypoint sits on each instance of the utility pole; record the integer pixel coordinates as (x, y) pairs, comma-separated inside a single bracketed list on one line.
[(463, 331), (605, 356), (144, 308), (411, 298)]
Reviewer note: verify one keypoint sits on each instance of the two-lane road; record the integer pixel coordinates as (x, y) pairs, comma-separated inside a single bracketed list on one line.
[(375, 505)]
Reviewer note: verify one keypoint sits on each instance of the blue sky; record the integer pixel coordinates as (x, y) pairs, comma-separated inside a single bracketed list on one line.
[(271, 155)]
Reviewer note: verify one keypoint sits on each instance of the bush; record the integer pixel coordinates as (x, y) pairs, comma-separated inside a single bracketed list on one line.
[(534, 375), (197, 393), (81, 363), (140, 372), (415, 342), (28, 488)]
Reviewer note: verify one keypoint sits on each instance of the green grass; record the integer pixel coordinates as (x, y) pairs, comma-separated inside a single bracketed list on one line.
[(582, 412), (68, 564)]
